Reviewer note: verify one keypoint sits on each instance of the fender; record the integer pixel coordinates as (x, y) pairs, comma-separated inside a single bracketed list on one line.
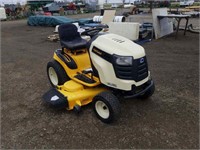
[(67, 59)]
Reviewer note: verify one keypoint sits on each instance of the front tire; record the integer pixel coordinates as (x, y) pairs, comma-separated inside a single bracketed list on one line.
[(56, 74), (106, 107)]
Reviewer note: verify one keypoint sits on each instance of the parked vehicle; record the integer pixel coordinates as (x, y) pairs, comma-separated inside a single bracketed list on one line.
[(186, 2)]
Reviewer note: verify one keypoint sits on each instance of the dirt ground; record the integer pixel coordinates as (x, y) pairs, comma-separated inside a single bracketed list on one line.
[(168, 120)]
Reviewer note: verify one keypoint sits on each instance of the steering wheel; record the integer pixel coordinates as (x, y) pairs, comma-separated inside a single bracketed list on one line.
[(92, 32)]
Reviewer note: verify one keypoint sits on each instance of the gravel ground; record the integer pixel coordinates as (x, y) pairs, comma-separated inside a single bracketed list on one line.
[(168, 120)]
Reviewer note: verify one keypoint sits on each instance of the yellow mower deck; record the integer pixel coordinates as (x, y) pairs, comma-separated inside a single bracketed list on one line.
[(77, 94), (71, 94)]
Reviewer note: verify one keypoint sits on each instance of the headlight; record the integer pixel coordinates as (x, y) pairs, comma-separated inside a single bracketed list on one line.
[(123, 60)]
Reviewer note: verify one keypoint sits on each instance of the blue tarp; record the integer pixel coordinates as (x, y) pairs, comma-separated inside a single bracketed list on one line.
[(92, 25), (83, 21), (54, 20)]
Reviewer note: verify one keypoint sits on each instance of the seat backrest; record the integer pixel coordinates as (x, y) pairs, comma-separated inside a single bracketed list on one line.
[(68, 32)]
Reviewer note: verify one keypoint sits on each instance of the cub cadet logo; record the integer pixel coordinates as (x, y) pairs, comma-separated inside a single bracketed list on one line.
[(97, 51), (141, 60)]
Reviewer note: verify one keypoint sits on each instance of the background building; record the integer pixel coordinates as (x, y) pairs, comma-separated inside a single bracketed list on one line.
[(36, 4)]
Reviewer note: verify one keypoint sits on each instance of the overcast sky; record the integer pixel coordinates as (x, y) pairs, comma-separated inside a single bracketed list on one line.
[(16, 1), (12, 1)]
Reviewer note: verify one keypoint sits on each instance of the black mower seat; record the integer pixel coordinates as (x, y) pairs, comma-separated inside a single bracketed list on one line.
[(70, 38)]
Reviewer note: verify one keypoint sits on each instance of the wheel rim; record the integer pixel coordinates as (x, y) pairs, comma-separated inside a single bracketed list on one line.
[(53, 76), (102, 109)]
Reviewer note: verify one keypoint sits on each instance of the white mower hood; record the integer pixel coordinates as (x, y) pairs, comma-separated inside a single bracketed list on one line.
[(115, 44)]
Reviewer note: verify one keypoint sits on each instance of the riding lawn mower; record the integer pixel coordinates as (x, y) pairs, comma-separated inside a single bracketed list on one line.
[(101, 71)]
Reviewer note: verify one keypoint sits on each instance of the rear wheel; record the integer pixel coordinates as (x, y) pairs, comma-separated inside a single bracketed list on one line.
[(56, 73), (106, 107)]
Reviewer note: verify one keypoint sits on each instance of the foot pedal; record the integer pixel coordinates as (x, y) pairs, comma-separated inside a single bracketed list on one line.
[(84, 78)]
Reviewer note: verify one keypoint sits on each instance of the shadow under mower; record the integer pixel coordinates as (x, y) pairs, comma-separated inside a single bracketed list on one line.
[(96, 71)]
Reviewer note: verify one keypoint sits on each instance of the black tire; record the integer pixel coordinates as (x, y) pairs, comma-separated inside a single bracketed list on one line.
[(106, 107), (59, 73), (148, 93)]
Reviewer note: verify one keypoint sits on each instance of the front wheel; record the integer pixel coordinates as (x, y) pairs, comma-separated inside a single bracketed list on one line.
[(106, 107)]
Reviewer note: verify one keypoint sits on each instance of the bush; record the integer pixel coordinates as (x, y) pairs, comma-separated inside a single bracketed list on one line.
[(175, 5), (107, 6), (196, 4)]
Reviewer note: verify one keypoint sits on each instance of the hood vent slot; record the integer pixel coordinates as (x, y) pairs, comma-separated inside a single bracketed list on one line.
[(117, 40)]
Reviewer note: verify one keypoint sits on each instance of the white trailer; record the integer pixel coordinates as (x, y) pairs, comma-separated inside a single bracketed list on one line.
[(2, 13), (130, 1), (115, 3)]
